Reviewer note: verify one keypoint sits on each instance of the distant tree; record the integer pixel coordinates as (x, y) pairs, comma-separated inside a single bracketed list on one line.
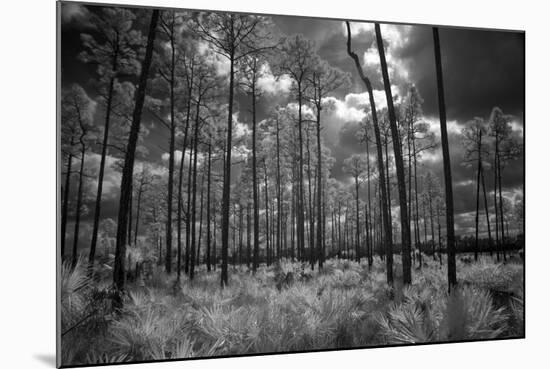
[(476, 152), (506, 148), (324, 80), (233, 36), (432, 191), (77, 117), (356, 165)]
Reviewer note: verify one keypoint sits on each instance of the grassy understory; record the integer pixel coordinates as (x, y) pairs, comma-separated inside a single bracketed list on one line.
[(287, 307)]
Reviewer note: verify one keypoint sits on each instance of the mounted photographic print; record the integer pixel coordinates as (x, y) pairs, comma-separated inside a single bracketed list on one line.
[(241, 184)]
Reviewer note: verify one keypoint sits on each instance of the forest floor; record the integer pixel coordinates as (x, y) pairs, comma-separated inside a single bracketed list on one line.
[(287, 307)]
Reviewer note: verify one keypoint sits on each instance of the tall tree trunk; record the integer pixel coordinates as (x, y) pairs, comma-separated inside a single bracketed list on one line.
[(300, 205), (388, 184), (248, 245), (368, 216), (169, 199), (384, 198), (208, 220), (188, 217), (199, 243), (432, 226), (310, 206), (255, 199), (130, 213), (266, 215), (416, 211), (486, 211), (64, 211), (97, 211), (78, 203), (180, 180), (227, 172), (402, 189), (449, 206), (128, 169), (357, 257), (279, 197), (495, 170), (476, 251), (501, 210), (138, 210), (194, 189)]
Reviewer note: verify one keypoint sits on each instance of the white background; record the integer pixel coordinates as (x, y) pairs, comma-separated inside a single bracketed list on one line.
[(27, 182)]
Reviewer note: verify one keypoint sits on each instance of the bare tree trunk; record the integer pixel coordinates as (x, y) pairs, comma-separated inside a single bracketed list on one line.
[(97, 211), (255, 199), (208, 220), (227, 172), (78, 202), (300, 205), (388, 183), (266, 216), (180, 184), (402, 189), (357, 257), (248, 223), (495, 170), (432, 225), (451, 261), (486, 211), (368, 216), (188, 217), (194, 190), (501, 210), (128, 169), (200, 222), (279, 197), (138, 210), (64, 211), (130, 213)]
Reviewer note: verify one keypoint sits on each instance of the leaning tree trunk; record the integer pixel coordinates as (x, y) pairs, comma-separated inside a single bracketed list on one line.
[(402, 189), (128, 169), (384, 198), (451, 261)]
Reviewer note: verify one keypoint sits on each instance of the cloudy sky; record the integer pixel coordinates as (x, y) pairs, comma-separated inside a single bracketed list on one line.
[(482, 69)]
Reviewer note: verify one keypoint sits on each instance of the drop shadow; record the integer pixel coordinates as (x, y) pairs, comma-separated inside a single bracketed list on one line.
[(48, 359)]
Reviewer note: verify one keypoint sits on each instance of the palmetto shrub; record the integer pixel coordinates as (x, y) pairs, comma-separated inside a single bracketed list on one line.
[(344, 305), (75, 288), (428, 316)]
